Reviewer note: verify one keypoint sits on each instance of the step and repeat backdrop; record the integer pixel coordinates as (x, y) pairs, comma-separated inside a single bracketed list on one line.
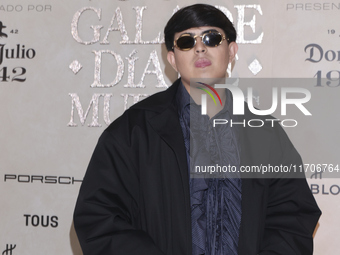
[(70, 68)]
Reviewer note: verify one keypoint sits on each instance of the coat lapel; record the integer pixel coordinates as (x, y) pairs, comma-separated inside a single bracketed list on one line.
[(166, 124)]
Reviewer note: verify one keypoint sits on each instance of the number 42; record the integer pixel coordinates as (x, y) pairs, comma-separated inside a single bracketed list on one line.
[(5, 78)]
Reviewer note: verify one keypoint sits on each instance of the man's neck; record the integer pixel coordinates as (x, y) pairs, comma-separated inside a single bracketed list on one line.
[(213, 107)]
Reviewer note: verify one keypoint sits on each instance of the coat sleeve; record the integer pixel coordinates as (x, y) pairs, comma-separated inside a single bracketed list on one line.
[(292, 212), (105, 216)]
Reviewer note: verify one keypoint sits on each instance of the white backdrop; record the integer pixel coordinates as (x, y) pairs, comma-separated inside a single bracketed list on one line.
[(69, 68)]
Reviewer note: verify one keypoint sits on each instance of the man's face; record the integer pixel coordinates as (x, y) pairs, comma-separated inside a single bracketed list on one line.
[(202, 61)]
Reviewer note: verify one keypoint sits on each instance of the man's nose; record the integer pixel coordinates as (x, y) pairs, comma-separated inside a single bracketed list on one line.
[(200, 46)]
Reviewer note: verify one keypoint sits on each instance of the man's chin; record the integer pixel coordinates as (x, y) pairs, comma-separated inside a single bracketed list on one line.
[(197, 82)]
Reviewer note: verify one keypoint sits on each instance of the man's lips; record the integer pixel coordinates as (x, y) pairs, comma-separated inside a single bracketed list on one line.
[(202, 63)]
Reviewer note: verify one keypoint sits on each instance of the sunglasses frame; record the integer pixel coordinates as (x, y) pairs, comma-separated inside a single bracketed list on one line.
[(195, 38)]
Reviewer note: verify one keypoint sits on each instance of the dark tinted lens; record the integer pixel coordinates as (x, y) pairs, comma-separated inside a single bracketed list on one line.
[(185, 42), (212, 39)]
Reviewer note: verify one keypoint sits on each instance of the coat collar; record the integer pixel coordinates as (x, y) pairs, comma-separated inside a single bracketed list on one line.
[(160, 101)]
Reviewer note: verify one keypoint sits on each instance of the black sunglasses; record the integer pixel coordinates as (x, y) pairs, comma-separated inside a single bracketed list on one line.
[(188, 41)]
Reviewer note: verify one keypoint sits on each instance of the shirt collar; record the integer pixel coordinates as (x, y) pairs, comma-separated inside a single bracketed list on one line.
[(182, 98)]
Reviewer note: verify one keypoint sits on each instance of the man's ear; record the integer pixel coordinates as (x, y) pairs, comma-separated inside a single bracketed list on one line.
[(233, 48), (171, 59)]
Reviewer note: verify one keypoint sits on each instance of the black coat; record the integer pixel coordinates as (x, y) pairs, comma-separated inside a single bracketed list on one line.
[(135, 195)]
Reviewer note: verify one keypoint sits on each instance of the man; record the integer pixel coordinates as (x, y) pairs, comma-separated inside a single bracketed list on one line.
[(138, 197)]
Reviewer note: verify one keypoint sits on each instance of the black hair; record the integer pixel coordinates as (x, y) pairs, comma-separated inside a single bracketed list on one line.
[(197, 15)]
